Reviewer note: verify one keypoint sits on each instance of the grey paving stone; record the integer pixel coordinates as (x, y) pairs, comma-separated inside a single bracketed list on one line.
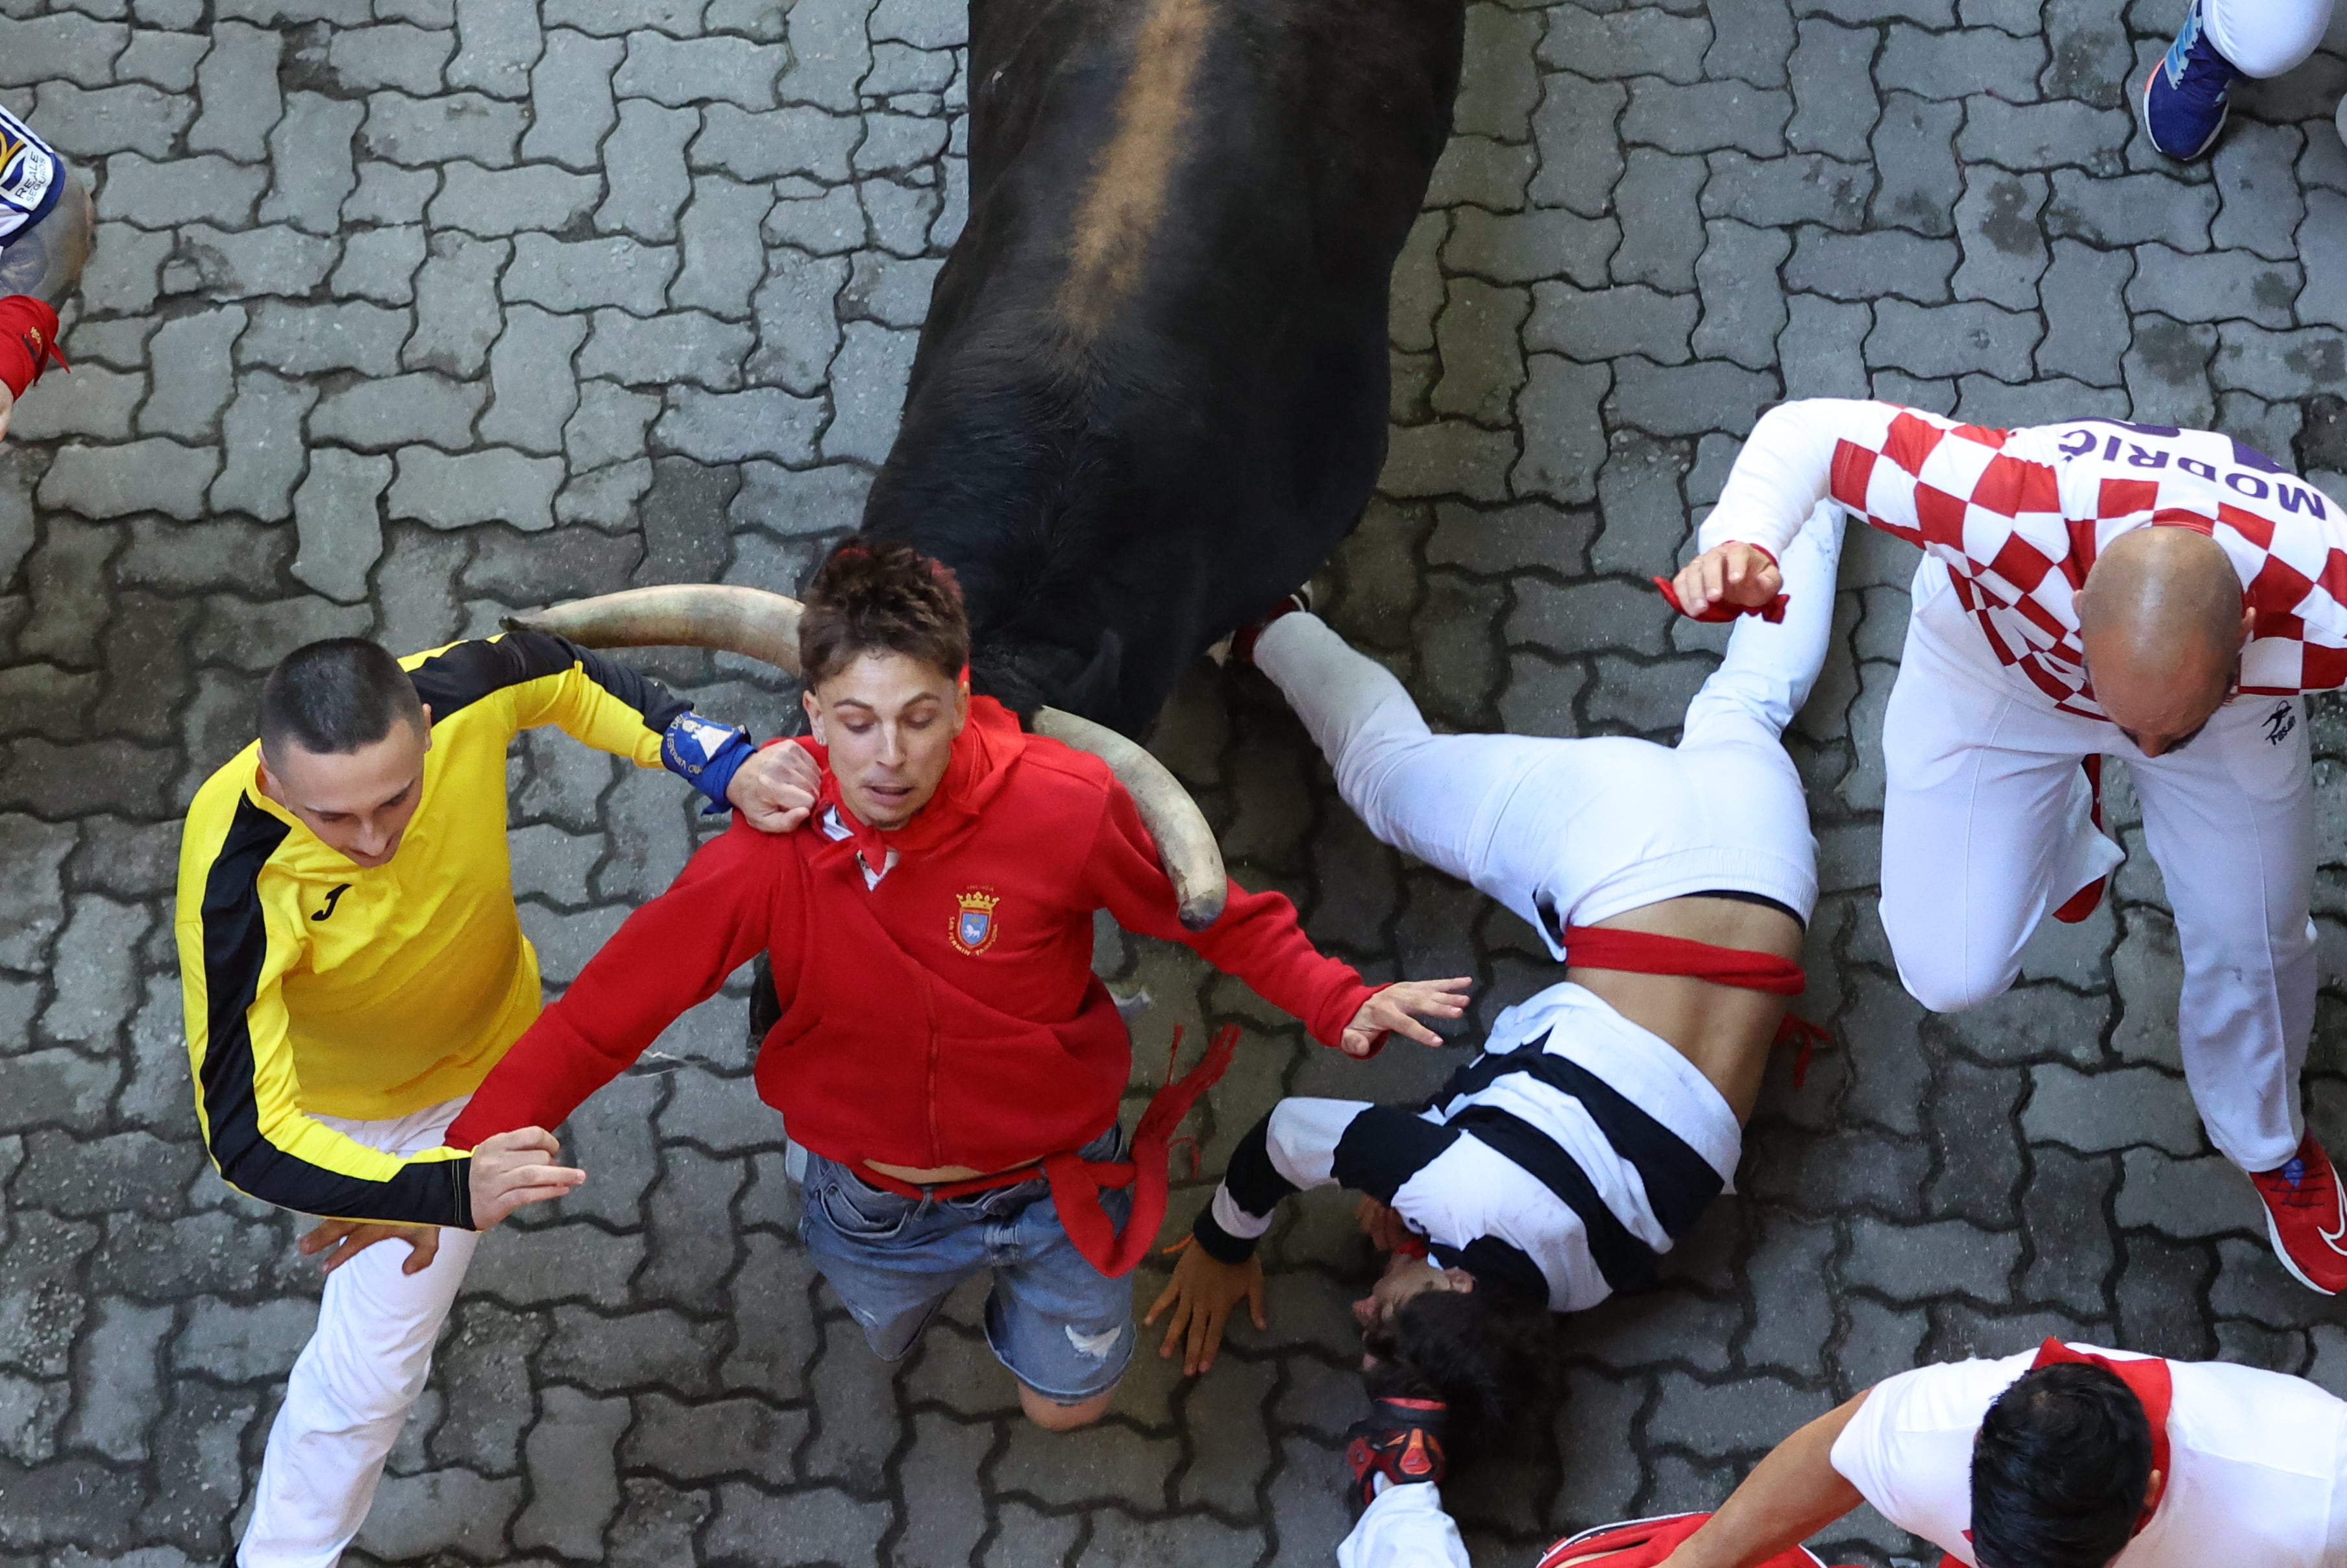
[(1865, 266), (2091, 57), (574, 1485), (821, 222), (1751, 40), (1482, 359), (493, 484), (388, 193), (869, 377), (899, 217), (724, 257), (237, 82), (1661, 227), (792, 140), (394, 55), (2218, 286), (2132, 210), (415, 131), (439, 1511), (2084, 293), (700, 70), (132, 116), (499, 42), (266, 261), (644, 158), (1833, 92), (2324, 297), (1706, 115), (302, 340), (509, 200), (192, 371), (1776, 193), (312, 157), (2256, 185), (819, 1525), (418, 406), (1820, 352), (155, 475), (1738, 258), (1604, 324), (381, 264), (341, 530), (571, 104), (534, 392), (2042, 136), (681, 346), (1996, 224), (1500, 86), (566, 276), (1959, 64), (1517, 247), (1692, 399), (1489, 174), (182, 190), (1577, 132), (93, 402)]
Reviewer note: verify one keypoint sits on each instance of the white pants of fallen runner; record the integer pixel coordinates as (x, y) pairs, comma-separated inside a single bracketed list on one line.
[(1986, 828), (1572, 832), (1404, 1527), (350, 1388), (2265, 37)]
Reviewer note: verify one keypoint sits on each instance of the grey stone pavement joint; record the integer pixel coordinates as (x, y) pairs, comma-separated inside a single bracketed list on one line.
[(404, 314)]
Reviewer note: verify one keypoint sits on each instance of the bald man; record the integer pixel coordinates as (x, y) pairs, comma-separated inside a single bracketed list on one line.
[(2090, 590)]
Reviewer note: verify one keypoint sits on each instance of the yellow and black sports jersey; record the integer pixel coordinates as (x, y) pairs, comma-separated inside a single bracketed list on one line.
[(316, 986)]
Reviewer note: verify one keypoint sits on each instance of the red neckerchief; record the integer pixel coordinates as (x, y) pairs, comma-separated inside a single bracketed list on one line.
[(982, 755), (2148, 1379)]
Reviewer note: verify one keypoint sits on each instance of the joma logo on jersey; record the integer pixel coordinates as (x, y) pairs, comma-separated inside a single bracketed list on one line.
[(974, 929)]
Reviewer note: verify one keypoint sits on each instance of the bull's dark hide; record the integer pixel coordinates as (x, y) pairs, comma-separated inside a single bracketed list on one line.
[(1151, 396)]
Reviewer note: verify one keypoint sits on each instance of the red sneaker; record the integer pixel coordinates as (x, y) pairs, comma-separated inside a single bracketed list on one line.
[(1400, 1441), (1242, 642), (2089, 898), (2307, 1217)]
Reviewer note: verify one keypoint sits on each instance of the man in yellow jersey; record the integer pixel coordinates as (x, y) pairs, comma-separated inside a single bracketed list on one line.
[(353, 967)]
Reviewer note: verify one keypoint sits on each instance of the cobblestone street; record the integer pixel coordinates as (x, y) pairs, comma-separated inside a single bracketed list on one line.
[(568, 296)]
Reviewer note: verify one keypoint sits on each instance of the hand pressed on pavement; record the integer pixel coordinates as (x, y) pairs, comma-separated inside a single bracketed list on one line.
[(775, 789), (1737, 573), (514, 1170), (343, 1240), (1397, 1009), (1202, 1293)]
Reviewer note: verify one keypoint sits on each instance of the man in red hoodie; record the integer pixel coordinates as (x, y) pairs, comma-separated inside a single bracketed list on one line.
[(945, 1054)]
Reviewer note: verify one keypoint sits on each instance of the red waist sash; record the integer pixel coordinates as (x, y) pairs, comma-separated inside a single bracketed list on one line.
[(1650, 953), (1076, 1182)]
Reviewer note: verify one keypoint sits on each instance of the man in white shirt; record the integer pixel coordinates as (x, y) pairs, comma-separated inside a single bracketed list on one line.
[(2069, 1457), (2087, 590)]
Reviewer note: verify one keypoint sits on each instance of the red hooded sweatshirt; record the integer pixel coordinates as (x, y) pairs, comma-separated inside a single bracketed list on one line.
[(946, 1015)]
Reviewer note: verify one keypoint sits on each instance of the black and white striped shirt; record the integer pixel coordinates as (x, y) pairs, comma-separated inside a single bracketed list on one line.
[(1563, 1160)]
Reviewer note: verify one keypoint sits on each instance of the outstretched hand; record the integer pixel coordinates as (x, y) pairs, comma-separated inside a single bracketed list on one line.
[(1398, 1007), (1202, 1293), (1735, 573), (775, 788), (343, 1240), (514, 1170)]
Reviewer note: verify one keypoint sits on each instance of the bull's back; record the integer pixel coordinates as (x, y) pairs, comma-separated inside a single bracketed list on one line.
[(1155, 362)]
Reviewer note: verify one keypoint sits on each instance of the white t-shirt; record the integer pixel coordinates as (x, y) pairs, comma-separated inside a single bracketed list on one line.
[(2256, 1460)]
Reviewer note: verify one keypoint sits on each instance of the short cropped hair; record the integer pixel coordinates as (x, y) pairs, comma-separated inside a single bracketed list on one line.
[(883, 597), (1488, 1353), (2059, 1471), (335, 696)]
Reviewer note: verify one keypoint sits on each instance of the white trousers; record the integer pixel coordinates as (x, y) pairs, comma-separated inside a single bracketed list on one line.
[(1404, 1527), (1985, 829), (350, 1391), (1572, 831), (2265, 37)]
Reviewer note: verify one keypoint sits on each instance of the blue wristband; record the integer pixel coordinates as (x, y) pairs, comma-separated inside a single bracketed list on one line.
[(705, 755)]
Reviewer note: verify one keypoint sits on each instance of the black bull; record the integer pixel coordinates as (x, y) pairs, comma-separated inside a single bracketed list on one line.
[(1151, 396)]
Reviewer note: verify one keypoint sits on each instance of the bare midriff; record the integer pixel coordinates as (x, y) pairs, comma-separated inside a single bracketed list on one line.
[(933, 1176), (1724, 1031)]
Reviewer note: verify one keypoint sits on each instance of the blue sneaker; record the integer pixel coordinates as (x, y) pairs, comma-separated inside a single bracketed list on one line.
[(2188, 95)]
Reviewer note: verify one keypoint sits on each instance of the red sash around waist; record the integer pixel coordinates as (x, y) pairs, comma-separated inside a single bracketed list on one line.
[(1650, 953), (1076, 1182)]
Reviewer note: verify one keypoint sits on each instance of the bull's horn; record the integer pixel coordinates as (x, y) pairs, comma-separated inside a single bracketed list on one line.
[(765, 626), (1185, 845), (745, 621)]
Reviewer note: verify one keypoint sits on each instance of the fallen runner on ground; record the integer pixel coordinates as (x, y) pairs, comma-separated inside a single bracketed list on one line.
[(2091, 588), (1606, 1112), (944, 1053), (352, 966)]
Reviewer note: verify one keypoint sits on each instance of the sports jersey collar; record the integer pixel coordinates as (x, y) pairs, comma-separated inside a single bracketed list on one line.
[(2148, 1379)]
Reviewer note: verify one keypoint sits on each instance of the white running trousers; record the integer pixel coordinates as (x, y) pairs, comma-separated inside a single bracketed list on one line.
[(350, 1391), (1572, 832), (1985, 830), (2265, 37), (1404, 1527)]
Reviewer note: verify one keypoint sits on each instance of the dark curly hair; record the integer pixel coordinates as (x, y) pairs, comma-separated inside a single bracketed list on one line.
[(2059, 1469), (1488, 1353), (882, 597)]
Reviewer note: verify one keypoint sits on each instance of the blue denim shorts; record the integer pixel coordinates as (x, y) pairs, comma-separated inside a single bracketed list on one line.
[(1062, 1327)]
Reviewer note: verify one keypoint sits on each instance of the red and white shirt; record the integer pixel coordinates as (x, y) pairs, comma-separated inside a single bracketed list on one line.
[(2019, 516), (2254, 1463)]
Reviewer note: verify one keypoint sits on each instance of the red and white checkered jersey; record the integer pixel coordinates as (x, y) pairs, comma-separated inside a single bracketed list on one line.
[(2019, 516)]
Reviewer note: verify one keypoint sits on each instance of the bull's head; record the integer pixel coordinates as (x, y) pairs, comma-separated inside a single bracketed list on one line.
[(765, 626)]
